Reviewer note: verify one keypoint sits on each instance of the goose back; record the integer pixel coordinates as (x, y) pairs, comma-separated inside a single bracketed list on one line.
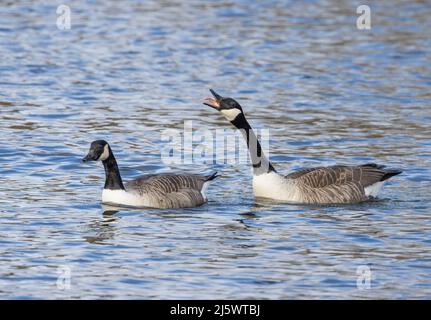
[(365, 175), (170, 190), (340, 184)]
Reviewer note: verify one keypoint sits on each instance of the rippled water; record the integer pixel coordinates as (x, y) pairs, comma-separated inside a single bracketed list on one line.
[(125, 71)]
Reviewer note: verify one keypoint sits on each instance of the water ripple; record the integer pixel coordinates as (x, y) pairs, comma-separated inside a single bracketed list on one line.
[(328, 93)]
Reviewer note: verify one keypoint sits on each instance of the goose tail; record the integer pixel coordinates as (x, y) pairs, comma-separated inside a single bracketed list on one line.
[(390, 173), (386, 173), (212, 177)]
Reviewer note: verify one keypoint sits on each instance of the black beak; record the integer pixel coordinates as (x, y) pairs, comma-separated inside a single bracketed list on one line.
[(88, 157), (216, 95), (213, 102)]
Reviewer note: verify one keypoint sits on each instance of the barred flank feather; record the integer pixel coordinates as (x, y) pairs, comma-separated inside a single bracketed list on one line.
[(170, 190), (338, 184)]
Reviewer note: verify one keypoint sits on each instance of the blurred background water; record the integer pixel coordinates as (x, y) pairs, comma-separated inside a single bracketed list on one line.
[(127, 70)]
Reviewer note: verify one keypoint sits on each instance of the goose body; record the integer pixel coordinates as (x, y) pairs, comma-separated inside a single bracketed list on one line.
[(325, 185), (161, 191), (320, 185), (152, 190)]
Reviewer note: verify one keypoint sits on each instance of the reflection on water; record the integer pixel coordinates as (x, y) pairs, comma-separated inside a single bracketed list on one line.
[(102, 229), (328, 93)]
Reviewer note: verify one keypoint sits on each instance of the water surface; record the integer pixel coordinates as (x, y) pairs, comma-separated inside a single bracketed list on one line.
[(126, 71)]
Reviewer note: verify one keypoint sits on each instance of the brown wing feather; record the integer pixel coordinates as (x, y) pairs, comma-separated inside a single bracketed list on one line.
[(170, 190), (167, 183), (320, 177), (350, 192)]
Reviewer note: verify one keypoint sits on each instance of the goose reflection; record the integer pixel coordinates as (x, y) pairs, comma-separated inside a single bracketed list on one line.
[(103, 230)]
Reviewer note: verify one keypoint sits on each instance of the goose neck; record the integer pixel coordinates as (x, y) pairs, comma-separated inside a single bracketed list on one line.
[(113, 179), (260, 162)]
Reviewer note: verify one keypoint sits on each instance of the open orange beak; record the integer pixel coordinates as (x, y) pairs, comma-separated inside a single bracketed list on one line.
[(213, 102)]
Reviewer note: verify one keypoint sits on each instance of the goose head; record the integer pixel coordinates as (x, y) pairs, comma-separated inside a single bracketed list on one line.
[(99, 151), (228, 107)]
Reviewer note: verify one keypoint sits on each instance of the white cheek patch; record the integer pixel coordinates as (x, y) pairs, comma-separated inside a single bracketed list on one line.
[(230, 114), (105, 154)]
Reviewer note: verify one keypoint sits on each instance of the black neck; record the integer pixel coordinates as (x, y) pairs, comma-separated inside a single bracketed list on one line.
[(112, 173), (259, 161)]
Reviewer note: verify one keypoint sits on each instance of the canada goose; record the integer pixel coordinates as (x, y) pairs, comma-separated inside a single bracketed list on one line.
[(322, 185), (153, 190)]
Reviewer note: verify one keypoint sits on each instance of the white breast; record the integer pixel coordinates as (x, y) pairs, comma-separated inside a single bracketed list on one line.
[(274, 186), (124, 198)]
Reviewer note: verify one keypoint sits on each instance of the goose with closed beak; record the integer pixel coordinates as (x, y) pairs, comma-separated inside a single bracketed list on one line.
[(152, 190), (322, 185)]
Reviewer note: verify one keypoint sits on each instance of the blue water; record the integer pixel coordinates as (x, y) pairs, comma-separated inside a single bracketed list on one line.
[(126, 71)]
